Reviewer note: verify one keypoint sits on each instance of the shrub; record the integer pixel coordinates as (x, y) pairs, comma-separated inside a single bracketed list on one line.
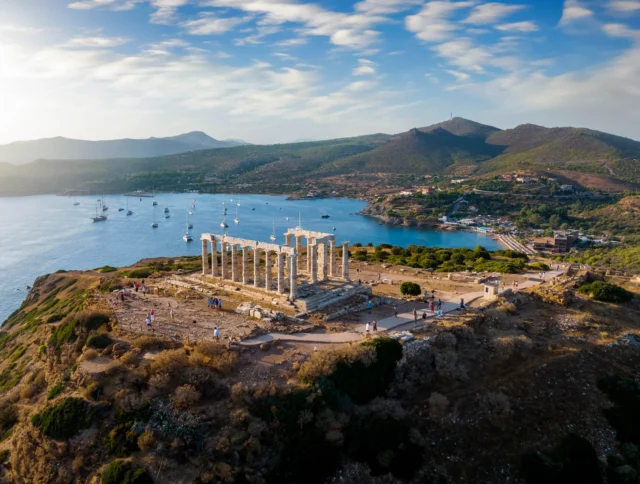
[(91, 320), (410, 289), (99, 341), (214, 356), (55, 390), (28, 391), (185, 396), (147, 442), (64, 333), (139, 273), (8, 417), (606, 292), (539, 266), (105, 269), (65, 419), (438, 404), (42, 350), (415, 370), (89, 354), (121, 441), (146, 343), (124, 472)]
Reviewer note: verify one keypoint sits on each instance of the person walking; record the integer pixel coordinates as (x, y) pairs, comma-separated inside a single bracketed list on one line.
[(439, 305), (369, 306), (153, 316), (395, 311), (432, 306), (461, 303), (366, 328), (148, 320), (144, 291), (374, 326), (424, 315), (171, 315), (220, 304), (415, 314), (216, 334), (433, 294)]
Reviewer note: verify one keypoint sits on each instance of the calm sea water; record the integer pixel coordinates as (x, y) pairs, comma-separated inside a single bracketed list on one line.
[(42, 234)]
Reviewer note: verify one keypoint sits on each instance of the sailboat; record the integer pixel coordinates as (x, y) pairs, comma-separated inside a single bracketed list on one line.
[(129, 212), (153, 193), (189, 224), (76, 203), (273, 234), (236, 220), (166, 209), (99, 217), (154, 224), (224, 224), (187, 236)]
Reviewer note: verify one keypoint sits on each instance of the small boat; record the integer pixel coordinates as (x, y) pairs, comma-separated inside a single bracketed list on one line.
[(236, 220), (189, 225), (153, 193), (187, 237), (325, 216), (190, 212), (166, 209), (76, 204), (129, 212), (167, 216), (253, 209), (224, 224), (99, 218), (287, 219), (154, 225), (273, 234), (154, 203), (121, 210), (334, 229), (105, 208)]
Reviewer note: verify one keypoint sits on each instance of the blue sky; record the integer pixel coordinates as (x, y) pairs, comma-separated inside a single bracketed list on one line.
[(271, 71)]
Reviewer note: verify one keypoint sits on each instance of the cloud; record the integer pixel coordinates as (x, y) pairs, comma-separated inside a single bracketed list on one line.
[(625, 6), (489, 13), (96, 42), (518, 27), (343, 29), (462, 53), (432, 22), (284, 56), (19, 29), (460, 76), (620, 30), (292, 42), (574, 10), (365, 68), (166, 10), (164, 13), (111, 4), (212, 25), (384, 7)]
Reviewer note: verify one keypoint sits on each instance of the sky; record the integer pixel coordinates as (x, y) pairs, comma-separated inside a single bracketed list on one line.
[(271, 71)]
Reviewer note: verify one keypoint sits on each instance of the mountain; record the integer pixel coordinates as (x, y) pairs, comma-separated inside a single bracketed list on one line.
[(71, 149), (463, 127)]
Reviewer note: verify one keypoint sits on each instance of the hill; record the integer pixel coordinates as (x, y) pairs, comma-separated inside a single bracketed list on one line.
[(73, 149), (457, 147)]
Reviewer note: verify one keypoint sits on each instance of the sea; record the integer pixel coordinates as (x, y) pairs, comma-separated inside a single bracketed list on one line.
[(45, 233)]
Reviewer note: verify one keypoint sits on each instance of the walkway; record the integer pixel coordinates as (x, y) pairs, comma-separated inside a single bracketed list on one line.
[(511, 243), (387, 324)]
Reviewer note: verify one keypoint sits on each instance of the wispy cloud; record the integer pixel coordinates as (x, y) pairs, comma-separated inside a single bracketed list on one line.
[(19, 29), (97, 42), (621, 30), (625, 6), (432, 22), (574, 10), (460, 76), (365, 68), (292, 42), (526, 26), (489, 13), (383, 7), (213, 25)]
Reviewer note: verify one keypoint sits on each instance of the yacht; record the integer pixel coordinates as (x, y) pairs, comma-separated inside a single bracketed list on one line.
[(154, 225), (167, 216), (153, 193), (166, 209), (99, 217), (236, 220), (154, 203), (129, 212), (190, 212), (273, 234), (187, 237), (224, 224)]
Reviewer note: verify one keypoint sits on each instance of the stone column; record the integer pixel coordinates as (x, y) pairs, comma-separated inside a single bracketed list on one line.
[(314, 264), (332, 261), (345, 261), (256, 267), (214, 257), (223, 260), (324, 262), (267, 270), (280, 273), (293, 274), (234, 263), (298, 250), (287, 240), (245, 266), (205, 257)]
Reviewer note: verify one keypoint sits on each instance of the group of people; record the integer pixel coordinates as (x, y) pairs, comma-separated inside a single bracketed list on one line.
[(373, 326), (214, 303), (151, 318)]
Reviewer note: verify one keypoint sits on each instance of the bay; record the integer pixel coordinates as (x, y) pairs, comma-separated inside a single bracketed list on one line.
[(41, 234)]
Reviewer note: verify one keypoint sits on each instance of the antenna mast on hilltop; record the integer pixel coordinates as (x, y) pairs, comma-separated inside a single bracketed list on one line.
[(451, 118)]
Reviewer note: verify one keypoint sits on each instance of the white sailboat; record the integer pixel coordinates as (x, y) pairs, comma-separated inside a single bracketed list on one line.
[(224, 224), (273, 234), (189, 224), (153, 194), (154, 224), (129, 212), (236, 220)]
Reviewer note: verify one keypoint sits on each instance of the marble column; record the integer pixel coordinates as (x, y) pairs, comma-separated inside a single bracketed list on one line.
[(234, 263), (223, 260), (298, 250), (287, 240), (324, 263), (205, 257), (256, 267), (310, 249), (332, 260), (267, 270), (214, 257), (280, 260), (245, 266), (345, 261), (293, 274), (314, 264)]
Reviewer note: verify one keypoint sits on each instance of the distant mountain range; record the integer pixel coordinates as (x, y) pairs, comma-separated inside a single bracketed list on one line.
[(457, 147), (74, 149)]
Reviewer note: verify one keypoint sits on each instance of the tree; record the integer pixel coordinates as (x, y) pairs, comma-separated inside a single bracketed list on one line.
[(410, 289)]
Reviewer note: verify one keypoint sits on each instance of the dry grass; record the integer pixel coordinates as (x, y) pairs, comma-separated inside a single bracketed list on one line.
[(323, 363)]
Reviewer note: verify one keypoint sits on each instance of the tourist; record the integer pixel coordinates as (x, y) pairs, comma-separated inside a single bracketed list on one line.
[(516, 283), (432, 306), (375, 326), (424, 315), (378, 276), (135, 286), (366, 328), (461, 303), (122, 296), (433, 294), (395, 311), (144, 291), (369, 306), (153, 316), (171, 315), (220, 304), (148, 320), (195, 322), (439, 305), (216, 334), (415, 314)]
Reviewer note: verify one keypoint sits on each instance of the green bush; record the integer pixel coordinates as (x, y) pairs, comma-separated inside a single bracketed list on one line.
[(105, 269), (55, 390), (123, 472), (410, 289), (606, 292), (139, 273), (99, 341), (121, 441), (64, 333), (539, 266), (42, 350), (64, 420), (8, 418), (17, 354), (91, 320)]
